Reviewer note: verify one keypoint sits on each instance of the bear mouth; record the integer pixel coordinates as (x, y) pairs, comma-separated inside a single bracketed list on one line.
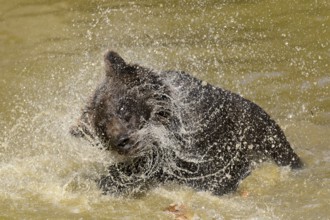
[(138, 149)]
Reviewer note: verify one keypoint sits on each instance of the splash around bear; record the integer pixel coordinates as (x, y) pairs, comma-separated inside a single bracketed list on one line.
[(172, 127)]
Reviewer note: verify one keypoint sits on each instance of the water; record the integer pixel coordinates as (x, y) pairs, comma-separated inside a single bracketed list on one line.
[(275, 53)]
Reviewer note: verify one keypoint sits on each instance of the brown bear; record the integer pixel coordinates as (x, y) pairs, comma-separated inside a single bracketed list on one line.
[(172, 127)]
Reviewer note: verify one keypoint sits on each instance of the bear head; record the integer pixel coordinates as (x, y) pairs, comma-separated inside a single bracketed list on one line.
[(130, 112)]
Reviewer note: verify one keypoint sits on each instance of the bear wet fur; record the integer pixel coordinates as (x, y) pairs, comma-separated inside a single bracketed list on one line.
[(172, 127)]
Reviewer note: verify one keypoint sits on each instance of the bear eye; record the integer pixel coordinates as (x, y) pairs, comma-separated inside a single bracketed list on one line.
[(163, 114), (121, 111)]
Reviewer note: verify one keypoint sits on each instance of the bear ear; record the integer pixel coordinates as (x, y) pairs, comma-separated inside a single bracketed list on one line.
[(114, 64)]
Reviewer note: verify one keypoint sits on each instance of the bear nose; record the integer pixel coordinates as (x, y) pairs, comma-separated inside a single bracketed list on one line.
[(123, 141)]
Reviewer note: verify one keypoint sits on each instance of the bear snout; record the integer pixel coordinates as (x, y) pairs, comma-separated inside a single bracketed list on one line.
[(124, 144), (123, 141)]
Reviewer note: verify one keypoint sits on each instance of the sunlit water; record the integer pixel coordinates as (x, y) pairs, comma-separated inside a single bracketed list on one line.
[(275, 53)]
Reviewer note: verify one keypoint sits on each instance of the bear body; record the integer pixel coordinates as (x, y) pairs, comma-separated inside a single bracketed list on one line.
[(172, 127)]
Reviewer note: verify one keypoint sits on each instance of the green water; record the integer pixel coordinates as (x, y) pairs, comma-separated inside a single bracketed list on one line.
[(275, 53)]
